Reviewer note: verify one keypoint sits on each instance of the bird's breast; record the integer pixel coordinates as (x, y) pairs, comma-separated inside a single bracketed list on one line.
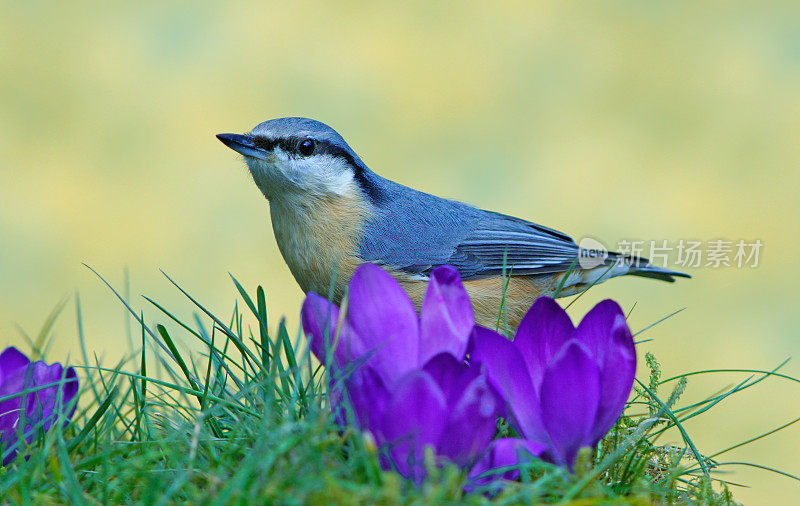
[(318, 237)]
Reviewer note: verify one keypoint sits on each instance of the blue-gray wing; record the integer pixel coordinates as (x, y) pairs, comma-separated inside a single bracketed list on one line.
[(499, 241), (417, 232)]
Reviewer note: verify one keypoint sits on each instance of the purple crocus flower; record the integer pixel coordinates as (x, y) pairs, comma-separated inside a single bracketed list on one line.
[(37, 409), (406, 377), (505, 452), (565, 387)]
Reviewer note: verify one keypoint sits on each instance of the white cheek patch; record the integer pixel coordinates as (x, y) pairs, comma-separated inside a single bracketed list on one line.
[(321, 174), (284, 173)]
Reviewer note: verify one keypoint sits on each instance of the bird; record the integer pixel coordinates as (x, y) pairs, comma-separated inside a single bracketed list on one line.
[(330, 213)]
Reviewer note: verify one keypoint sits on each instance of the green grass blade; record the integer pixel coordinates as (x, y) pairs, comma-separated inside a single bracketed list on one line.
[(700, 459), (91, 424), (235, 339), (262, 327), (566, 275)]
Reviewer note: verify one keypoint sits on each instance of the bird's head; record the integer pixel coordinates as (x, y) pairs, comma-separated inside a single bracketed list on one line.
[(298, 156)]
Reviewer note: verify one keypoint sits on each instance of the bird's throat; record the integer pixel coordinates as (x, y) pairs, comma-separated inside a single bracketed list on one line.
[(318, 238)]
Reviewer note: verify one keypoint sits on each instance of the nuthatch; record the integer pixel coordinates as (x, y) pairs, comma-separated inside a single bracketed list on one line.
[(330, 213)]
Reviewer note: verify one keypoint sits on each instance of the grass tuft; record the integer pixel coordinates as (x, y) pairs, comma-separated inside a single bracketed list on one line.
[(243, 417)]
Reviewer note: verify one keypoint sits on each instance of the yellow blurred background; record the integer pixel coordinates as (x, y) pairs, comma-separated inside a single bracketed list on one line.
[(618, 120)]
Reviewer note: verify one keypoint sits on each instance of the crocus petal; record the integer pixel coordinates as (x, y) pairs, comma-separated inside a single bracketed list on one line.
[(13, 382), (447, 317), (414, 418), (594, 331), (381, 313), (5, 444), (541, 334), (473, 406), (569, 398), (319, 318), (9, 414), (70, 391), (507, 372), (368, 396), (471, 423), (11, 360), (617, 373), (504, 452), (452, 376), (41, 404), (10, 410)]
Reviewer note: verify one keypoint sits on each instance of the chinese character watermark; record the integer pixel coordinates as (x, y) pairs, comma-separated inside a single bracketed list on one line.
[(717, 253), (690, 253)]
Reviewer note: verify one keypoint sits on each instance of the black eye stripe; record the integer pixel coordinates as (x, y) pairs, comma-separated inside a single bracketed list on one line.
[(291, 144), (270, 144), (264, 143)]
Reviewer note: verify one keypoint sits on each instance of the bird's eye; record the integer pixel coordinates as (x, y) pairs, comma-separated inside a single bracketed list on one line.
[(306, 147)]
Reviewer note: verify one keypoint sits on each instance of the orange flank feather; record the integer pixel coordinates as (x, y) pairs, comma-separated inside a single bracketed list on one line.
[(487, 295)]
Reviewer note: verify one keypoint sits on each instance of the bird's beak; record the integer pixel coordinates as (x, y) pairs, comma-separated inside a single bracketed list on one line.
[(243, 144)]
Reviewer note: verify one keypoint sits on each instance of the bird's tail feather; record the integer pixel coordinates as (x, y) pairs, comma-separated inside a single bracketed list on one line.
[(611, 265), (654, 272), (642, 267)]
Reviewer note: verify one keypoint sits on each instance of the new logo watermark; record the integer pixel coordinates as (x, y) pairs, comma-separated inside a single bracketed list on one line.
[(592, 254)]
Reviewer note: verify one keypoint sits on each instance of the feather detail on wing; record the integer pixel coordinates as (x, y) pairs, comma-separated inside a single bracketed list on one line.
[(519, 246)]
